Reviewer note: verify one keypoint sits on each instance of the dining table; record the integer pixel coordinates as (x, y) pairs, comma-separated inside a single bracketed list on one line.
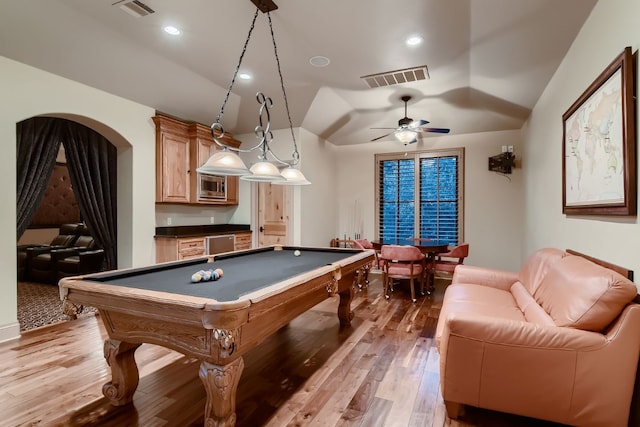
[(429, 247)]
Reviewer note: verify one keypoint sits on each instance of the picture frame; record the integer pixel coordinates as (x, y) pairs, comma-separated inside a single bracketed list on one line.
[(599, 145)]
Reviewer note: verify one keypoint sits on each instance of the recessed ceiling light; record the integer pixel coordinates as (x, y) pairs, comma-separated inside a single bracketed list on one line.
[(319, 61), (170, 29), (414, 41), (245, 76)]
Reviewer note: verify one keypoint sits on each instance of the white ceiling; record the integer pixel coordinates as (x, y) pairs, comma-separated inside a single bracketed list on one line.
[(488, 60)]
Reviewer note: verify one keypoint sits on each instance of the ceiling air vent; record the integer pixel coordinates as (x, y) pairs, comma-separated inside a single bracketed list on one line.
[(134, 7), (390, 78)]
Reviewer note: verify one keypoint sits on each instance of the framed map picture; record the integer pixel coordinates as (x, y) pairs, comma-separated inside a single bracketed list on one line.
[(599, 140)]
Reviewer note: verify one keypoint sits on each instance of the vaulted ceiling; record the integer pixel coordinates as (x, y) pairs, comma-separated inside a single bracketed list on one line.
[(488, 61)]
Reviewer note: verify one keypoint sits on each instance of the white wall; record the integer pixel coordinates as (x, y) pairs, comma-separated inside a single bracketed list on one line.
[(612, 25), (493, 217), (319, 201), (28, 92)]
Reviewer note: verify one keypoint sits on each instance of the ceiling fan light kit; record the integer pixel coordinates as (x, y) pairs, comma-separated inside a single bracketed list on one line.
[(406, 136), (408, 129)]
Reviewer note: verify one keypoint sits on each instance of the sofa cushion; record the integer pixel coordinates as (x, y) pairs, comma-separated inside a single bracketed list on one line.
[(477, 300), (580, 294), (536, 265)]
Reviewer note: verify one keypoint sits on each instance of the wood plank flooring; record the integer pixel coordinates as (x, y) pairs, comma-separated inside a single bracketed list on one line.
[(383, 371)]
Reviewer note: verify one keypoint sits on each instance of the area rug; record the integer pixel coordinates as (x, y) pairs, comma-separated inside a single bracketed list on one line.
[(39, 305)]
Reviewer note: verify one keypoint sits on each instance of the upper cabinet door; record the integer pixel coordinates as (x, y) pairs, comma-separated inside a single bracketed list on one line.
[(172, 161)]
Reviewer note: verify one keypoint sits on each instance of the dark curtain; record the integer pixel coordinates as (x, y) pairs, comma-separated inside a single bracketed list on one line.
[(37, 144), (91, 160)]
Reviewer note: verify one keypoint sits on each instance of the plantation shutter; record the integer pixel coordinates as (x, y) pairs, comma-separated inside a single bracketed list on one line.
[(439, 198), (397, 199), (420, 195)]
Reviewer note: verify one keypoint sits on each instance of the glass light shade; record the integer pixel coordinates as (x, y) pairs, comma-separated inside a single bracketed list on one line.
[(292, 176), (263, 172), (406, 136), (224, 163)]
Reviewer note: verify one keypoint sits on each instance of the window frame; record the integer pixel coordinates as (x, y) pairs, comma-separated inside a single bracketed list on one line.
[(417, 156)]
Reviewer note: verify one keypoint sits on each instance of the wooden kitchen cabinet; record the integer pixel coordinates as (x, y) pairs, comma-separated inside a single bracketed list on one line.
[(173, 248), (181, 147), (179, 248), (172, 161), (243, 241)]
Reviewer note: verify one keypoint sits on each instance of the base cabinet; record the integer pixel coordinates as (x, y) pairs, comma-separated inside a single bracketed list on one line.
[(243, 241), (173, 248)]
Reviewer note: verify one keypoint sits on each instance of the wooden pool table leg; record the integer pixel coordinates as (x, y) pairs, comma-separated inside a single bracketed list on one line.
[(344, 307), (221, 383), (124, 371)]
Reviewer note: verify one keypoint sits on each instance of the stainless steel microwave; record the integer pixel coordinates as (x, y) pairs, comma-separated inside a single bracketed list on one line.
[(212, 187)]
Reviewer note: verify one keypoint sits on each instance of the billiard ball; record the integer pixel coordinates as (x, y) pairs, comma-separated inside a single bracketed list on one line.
[(219, 271), (296, 252), (197, 277)]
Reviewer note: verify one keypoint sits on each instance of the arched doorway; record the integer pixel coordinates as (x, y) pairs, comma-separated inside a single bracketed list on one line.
[(91, 161)]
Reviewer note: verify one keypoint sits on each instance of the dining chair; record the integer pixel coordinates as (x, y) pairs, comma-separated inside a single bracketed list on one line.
[(402, 262), (447, 262)]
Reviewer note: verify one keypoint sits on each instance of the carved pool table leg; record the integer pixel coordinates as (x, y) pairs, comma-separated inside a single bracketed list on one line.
[(344, 307), (221, 383), (124, 371)]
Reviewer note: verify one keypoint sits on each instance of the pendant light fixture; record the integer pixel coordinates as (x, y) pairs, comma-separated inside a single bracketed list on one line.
[(227, 161)]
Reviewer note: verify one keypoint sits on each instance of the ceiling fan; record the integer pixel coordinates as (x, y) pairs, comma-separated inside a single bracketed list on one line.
[(407, 130)]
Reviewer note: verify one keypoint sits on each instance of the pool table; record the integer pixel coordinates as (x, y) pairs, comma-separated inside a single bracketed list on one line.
[(260, 291)]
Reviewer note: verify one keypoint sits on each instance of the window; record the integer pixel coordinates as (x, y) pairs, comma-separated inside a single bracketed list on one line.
[(420, 195)]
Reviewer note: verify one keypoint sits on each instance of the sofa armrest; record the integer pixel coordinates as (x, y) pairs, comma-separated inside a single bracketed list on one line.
[(37, 250), (494, 278), (485, 360), (567, 375), (92, 259), (31, 245), (63, 253), (499, 331)]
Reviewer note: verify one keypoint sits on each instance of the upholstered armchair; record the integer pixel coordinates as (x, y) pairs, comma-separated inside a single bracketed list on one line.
[(402, 262), (67, 236), (78, 261), (448, 261), (42, 262)]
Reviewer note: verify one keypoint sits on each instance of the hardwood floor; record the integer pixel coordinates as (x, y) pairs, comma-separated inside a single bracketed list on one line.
[(383, 371)]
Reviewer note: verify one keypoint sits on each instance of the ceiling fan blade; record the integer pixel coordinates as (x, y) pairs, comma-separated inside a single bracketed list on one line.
[(380, 137), (435, 130), (418, 123)]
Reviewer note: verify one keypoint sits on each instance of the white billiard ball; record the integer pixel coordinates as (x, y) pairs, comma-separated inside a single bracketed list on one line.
[(296, 252)]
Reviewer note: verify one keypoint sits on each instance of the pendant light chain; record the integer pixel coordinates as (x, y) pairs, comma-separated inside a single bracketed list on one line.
[(235, 74), (296, 154)]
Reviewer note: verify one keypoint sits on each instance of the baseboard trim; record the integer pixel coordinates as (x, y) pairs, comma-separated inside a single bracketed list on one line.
[(9, 332)]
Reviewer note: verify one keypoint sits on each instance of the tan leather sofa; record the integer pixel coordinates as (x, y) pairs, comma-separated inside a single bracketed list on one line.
[(559, 340)]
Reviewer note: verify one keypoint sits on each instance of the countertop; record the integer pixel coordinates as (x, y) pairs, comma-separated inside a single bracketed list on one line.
[(200, 230)]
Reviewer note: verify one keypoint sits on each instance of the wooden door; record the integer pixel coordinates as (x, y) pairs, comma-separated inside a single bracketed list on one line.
[(273, 214)]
